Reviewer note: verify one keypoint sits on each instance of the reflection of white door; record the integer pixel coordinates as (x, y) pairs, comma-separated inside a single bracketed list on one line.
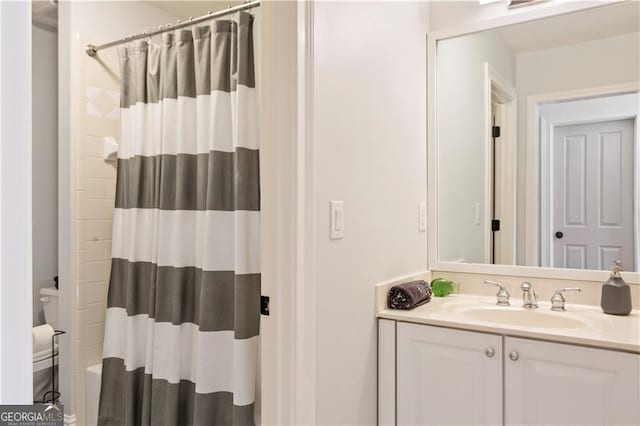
[(593, 195)]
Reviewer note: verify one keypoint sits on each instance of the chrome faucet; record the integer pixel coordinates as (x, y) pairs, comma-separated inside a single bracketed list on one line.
[(558, 300), (529, 296), (502, 295)]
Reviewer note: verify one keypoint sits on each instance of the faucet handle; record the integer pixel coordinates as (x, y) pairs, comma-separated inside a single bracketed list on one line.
[(558, 300), (502, 295), (529, 296)]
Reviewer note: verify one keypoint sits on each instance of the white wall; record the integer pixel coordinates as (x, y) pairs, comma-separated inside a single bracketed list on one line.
[(370, 151), (16, 384), (462, 147), (44, 163), (596, 63)]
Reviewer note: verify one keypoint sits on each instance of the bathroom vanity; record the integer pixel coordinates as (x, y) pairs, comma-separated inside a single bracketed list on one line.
[(464, 360), (533, 153)]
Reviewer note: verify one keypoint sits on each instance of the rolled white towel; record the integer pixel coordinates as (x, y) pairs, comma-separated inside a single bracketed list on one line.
[(42, 338)]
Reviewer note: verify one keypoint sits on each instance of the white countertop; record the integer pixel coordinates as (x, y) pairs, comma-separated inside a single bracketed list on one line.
[(585, 324)]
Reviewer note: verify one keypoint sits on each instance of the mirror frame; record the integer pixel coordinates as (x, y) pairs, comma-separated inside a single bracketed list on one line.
[(510, 17)]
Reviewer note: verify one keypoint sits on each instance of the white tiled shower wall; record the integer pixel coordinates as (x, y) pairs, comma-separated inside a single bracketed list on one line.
[(93, 95), (93, 192)]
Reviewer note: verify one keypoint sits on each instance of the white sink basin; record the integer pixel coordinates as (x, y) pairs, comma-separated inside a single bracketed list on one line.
[(522, 317), (579, 324)]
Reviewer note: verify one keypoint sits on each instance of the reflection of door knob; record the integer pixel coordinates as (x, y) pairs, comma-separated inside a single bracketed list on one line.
[(559, 235)]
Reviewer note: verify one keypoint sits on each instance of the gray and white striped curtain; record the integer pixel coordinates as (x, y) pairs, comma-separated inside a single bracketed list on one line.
[(182, 321)]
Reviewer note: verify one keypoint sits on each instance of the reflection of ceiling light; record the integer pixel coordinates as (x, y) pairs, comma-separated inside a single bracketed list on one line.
[(510, 3), (517, 3)]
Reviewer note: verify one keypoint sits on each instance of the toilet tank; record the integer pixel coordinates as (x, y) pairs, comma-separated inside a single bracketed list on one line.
[(49, 299)]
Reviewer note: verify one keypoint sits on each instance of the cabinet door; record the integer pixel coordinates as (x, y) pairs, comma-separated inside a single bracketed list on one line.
[(386, 372), (445, 377), (556, 384)]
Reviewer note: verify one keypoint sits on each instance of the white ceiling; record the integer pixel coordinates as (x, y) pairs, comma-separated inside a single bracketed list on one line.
[(45, 12), (183, 9), (572, 28)]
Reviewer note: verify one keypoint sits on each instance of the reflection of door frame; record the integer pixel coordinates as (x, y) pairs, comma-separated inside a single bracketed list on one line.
[(538, 201), (499, 88), (548, 122)]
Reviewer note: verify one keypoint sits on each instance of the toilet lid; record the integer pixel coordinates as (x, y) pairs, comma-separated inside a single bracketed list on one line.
[(44, 354)]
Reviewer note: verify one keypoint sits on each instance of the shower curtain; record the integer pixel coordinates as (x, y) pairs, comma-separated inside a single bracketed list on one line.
[(182, 320)]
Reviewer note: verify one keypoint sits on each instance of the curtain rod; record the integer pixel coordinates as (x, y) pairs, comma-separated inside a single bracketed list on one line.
[(92, 50)]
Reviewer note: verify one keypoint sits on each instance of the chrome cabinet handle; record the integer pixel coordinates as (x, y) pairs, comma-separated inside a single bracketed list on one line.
[(514, 356), (490, 352)]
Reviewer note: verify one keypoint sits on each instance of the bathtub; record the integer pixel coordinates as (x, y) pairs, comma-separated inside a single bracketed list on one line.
[(93, 379), (92, 386)]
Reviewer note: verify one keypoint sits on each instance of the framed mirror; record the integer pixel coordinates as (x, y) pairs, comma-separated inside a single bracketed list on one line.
[(534, 146)]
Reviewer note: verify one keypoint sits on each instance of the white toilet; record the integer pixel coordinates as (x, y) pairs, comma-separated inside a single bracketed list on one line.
[(49, 299), (42, 355)]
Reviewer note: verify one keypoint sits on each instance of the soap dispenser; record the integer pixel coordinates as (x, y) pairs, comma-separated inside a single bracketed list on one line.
[(616, 294)]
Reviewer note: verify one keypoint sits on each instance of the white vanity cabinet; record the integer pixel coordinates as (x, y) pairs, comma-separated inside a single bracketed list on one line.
[(558, 384), (450, 376), (445, 376)]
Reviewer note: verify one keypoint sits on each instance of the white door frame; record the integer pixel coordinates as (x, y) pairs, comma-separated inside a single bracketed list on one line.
[(495, 85), (288, 334), (304, 317), (538, 202), (16, 286)]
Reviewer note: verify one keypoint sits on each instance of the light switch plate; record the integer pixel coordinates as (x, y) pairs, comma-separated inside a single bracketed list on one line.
[(422, 217), (336, 220)]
